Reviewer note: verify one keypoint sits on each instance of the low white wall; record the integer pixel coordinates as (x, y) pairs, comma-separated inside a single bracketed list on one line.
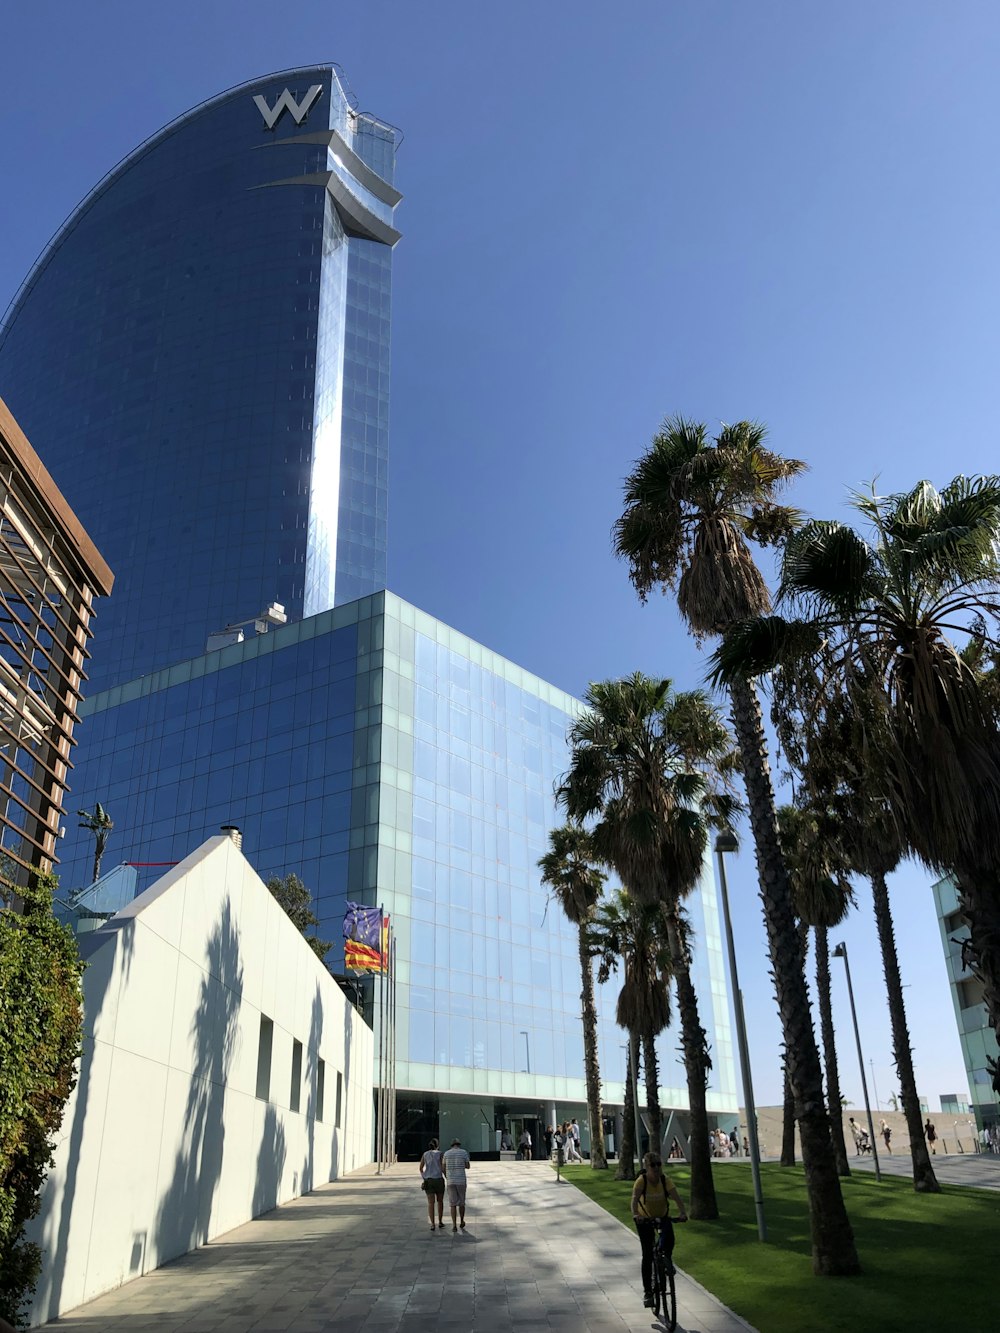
[(165, 1142)]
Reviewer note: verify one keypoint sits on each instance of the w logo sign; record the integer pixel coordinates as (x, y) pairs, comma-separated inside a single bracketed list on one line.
[(286, 102)]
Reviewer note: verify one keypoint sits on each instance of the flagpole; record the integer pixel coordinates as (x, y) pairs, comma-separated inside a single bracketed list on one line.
[(392, 1069), (380, 1100)]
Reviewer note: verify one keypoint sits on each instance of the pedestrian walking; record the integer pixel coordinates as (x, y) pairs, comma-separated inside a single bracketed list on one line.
[(574, 1129), (455, 1163), (856, 1135), (548, 1136), (572, 1152), (524, 1146), (432, 1183), (559, 1139), (931, 1134), (886, 1132)]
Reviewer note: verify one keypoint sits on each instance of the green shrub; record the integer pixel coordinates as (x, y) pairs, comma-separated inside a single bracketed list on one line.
[(41, 1020)]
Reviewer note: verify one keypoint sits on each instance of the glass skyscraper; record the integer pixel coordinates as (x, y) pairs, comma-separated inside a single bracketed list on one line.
[(201, 357), (386, 758)]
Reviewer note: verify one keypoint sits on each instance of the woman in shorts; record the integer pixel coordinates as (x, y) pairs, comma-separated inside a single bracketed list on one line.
[(433, 1183)]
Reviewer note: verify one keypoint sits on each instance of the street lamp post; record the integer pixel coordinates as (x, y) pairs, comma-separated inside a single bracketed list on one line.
[(841, 952), (527, 1052), (726, 842)]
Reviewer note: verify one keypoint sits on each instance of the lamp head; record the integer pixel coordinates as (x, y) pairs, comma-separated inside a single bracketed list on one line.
[(840, 951), (725, 841)]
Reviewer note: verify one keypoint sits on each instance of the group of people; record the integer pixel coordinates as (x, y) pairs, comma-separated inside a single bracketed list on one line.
[(566, 1139), (725, 1145), (440, 1171)]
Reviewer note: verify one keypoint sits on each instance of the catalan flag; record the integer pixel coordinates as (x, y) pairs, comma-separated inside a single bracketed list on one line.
[(366, 932)]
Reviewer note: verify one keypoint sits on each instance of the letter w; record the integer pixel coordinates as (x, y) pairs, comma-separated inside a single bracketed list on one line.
[(286, 102)]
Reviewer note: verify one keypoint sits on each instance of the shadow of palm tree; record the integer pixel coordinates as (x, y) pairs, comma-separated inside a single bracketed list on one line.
[(315, 1037), (270, 1164), (184, 1215)]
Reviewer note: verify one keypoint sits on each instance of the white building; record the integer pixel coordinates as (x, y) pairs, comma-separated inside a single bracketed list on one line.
[(223, 1073)]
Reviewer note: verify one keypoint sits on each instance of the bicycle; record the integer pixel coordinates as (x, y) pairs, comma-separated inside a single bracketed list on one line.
[(664, 1294)]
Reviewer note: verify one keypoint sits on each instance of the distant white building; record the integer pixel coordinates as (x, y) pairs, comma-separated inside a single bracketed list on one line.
[(224, 1072)]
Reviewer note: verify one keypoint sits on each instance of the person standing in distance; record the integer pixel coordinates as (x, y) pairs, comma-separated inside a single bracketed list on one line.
[(931, 1133), (455, 1164)]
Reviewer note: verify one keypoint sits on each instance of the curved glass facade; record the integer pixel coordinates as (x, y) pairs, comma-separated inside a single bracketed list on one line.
[(385, 757), (201, 356)]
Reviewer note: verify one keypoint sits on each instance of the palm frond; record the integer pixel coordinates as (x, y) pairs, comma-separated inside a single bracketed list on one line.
[(754, 647), (826, 563)]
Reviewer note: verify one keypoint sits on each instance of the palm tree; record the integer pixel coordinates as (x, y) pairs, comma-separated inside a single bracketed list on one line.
[(823, 897), (628, 932), (861, 823), (650, 767), (883, 614), (100, 824), (568, 868), (692, 508)]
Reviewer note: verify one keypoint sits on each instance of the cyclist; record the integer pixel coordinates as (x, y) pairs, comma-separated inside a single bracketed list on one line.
[(650, 1200)]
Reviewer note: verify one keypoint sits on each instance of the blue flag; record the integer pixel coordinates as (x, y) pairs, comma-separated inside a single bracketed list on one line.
[(363, 936)]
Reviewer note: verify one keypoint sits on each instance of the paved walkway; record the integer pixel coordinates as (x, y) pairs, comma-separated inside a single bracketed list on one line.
[(358, 1255), (979, 1169)]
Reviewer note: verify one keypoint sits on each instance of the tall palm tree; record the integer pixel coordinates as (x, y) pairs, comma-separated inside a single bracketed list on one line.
[(693, 506), (890, 609), (100, 824), (838, 760), (569, 870), (628, 932), (823, 897), (650, 768)]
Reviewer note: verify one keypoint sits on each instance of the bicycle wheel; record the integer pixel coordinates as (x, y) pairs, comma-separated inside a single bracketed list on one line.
[(669, 1298), (659, 1283)]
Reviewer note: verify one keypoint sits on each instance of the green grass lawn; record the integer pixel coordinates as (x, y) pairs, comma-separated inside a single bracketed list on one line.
[(929, 1260)]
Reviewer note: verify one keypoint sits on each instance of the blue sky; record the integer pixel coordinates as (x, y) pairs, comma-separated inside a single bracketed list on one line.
[(781, 211)]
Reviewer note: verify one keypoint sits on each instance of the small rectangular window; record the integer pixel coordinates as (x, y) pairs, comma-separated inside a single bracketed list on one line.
[(340, 1089), (295, 1094), (320, 1087), (264, 1043)]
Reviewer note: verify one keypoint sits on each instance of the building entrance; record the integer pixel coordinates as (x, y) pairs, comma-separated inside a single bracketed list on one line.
[(518, 1124)]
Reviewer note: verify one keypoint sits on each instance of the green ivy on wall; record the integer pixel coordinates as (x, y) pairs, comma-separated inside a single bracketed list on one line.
[(41, 1021)]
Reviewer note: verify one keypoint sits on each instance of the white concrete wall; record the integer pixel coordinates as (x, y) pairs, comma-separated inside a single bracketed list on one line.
[(165, 1143)]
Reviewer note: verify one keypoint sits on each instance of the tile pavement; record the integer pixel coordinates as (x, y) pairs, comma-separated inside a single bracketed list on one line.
[(357, 1256)]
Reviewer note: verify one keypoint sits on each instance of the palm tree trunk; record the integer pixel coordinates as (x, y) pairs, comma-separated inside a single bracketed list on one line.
[(626, 1155), (788, 1109), (924, 1179), (980, 903), (704, 1206), (598, 1160), (652, 1091), (787, 1122), (833, 1102), (834, 1253)]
